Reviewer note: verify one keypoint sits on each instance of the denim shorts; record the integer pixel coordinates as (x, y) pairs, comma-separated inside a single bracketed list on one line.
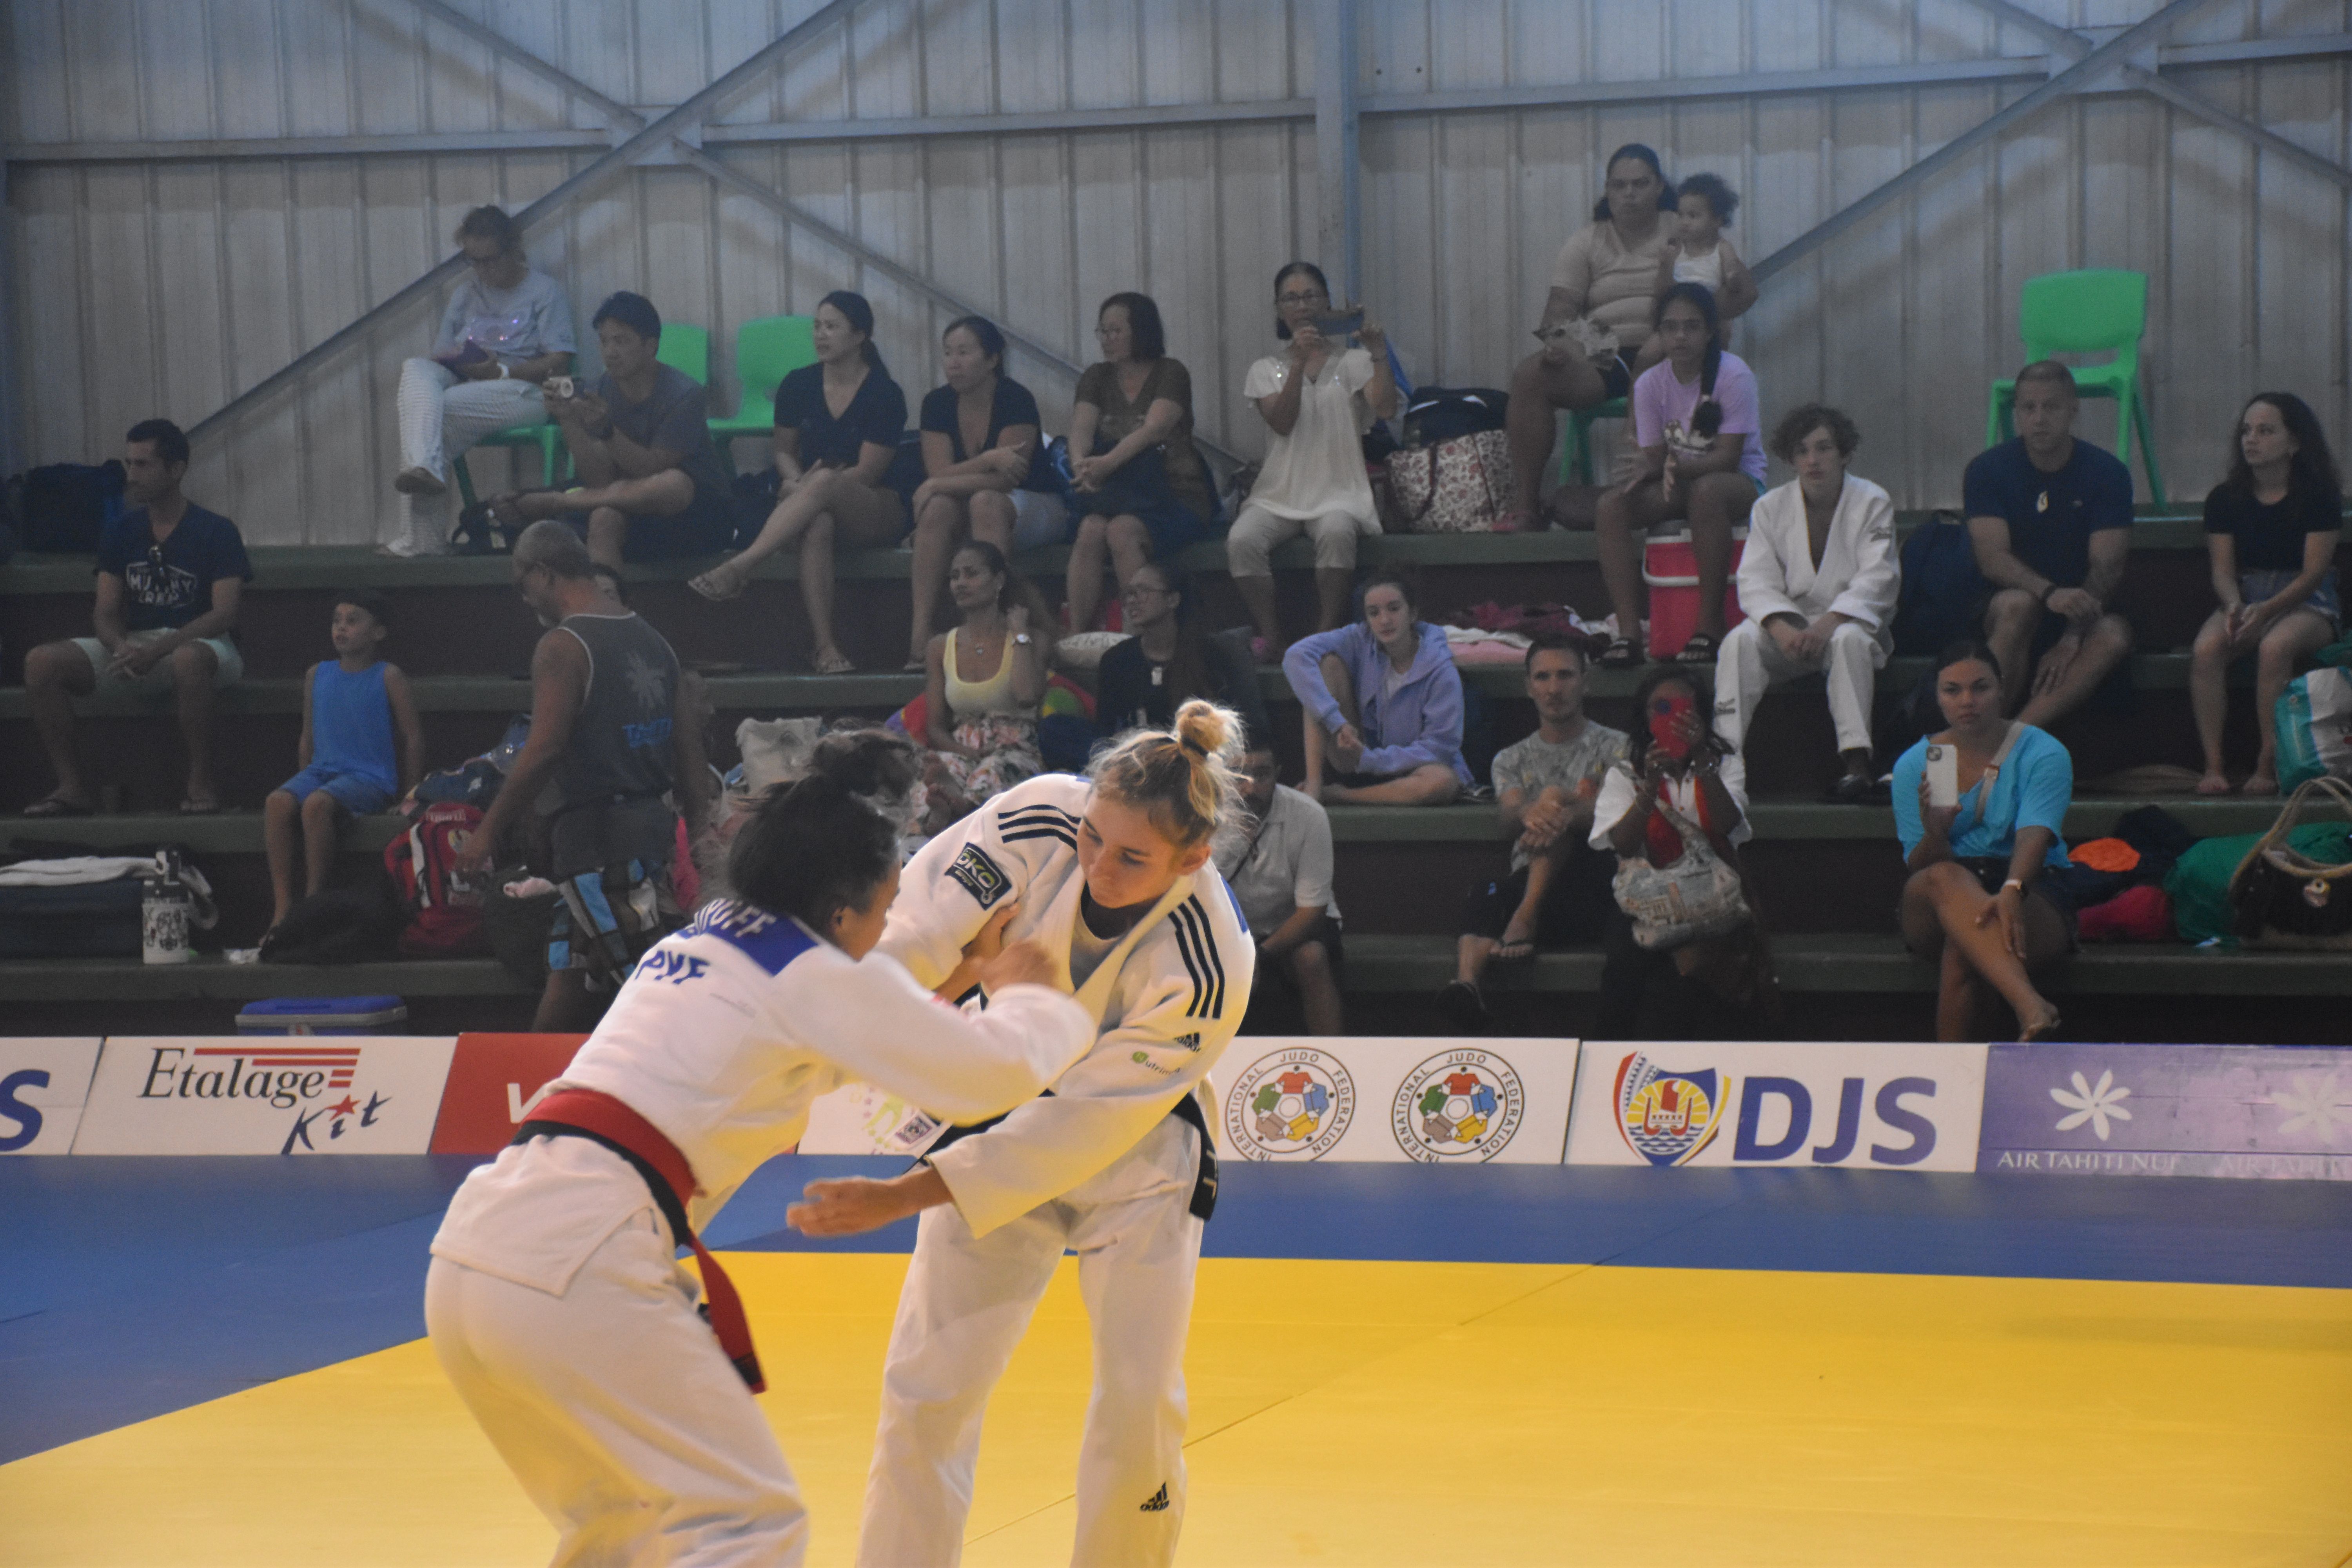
[(2257, 586), (356, 792)]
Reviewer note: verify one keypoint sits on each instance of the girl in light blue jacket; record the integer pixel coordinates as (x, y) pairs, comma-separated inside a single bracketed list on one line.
[(1383, 706)]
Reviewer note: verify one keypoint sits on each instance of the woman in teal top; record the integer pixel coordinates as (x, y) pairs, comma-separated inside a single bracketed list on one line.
[(1979, 902)]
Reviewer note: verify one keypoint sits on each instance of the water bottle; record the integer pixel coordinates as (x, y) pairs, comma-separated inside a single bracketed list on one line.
[(165, 907)]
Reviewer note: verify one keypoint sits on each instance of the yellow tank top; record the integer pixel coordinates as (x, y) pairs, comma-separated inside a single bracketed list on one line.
[(971, 699)]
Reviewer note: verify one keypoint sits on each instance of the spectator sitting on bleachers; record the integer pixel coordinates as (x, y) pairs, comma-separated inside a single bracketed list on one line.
[(2272, 527), (170, 578), (1675, 760), (1280, 872), (604, 759), (982, 436), (1140, 488), (362, 748), (1317, 399), (652, 484), (1979, 901), (1382, 706), (1818, 583), (2050, 520), (1608, 270), (1699, 254), (505, 331), (838, 422), (1170, 658), (985, 680), (1557, 890), (1700, 458)]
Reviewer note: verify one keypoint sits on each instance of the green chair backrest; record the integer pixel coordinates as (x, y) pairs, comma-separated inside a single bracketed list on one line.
[(769, 349), (686, 348), (2102, 309)]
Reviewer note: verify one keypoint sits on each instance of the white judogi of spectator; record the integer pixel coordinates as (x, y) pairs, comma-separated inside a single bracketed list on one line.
[(1859, 577), (1101, 1167), (555, 1301)]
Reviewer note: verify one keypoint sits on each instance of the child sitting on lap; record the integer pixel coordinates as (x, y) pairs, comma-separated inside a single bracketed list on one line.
[(350, 709)]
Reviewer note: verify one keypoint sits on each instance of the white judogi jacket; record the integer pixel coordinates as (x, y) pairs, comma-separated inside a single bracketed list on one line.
[(1166, 999), (1860, 574), (720, 1037)]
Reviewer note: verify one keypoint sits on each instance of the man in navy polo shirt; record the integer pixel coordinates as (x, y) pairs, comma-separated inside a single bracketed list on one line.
[(2050, 520), (170, 574)]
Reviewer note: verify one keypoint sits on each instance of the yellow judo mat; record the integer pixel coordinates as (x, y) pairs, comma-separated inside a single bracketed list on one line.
[(1370, 1413)]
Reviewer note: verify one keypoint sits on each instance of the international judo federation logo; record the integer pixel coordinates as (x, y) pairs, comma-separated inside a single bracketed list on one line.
[(1667, 1116), (1462, 1105), (1294, 1105)]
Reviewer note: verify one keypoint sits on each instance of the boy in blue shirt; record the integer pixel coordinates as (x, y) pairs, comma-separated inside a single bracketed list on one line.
[(170, 576), (351, 709)]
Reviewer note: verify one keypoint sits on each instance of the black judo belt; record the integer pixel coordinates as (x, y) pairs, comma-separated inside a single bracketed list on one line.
[(1186, 1109)]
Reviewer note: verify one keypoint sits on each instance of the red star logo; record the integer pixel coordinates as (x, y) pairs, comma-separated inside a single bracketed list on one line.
[(348, 1108)]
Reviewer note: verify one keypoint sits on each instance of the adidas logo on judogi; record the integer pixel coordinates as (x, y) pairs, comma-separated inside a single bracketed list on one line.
[(1157, 1502)]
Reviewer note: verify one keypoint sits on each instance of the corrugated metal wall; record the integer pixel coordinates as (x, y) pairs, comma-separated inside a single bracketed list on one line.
[(169, 287)]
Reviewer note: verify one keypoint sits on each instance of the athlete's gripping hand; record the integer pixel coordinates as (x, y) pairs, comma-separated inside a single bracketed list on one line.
[(1022, 964), (855, 1204)]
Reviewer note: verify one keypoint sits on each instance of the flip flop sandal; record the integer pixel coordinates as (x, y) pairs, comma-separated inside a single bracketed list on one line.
[(55, 806), (712, 586), (839, 664), (1504, 953), (200, 807), (1699, 648), (1621, 654)]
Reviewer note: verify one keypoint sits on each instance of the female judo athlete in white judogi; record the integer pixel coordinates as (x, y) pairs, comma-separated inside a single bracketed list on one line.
[(555, 1301), (1113, 878)]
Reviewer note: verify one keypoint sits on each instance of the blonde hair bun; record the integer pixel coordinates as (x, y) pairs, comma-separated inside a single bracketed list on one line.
[(1211, 730), (1187, 778)]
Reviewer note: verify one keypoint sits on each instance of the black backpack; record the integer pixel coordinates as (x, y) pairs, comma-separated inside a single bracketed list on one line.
[(1439, 414), (64, 508), (1943, 592)]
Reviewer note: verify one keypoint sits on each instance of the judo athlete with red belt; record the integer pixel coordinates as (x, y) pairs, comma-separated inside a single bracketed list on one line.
[(555, 1301), (1112, 877)]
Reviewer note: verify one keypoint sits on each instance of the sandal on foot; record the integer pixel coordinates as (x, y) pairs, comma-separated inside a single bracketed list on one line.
[(719, 584), (1699, 648), (1509, 948), (1621, 654), (191, 806), (833, 664), (52, 805)]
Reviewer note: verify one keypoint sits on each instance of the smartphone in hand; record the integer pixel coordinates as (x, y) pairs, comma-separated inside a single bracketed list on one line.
[(1339, 327), (1943, 775), (562, 386)]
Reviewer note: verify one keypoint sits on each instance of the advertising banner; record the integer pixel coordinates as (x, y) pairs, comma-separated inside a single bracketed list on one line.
[(2168, 1110), (492, 1079), (216, 1094), (1434, 1101), (43, 1082), (1872, 1107)]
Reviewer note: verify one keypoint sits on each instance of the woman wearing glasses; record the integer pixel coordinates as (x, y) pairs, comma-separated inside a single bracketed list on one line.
[(1318, 397), (506, 330), (1137, 480), (1171, 660)]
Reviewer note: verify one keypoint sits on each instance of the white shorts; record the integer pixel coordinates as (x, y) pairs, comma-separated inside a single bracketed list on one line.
[(1039, 519), (157, 681)]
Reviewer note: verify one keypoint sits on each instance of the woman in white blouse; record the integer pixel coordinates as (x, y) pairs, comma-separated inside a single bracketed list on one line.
[(1316, 397), (1818, 585)]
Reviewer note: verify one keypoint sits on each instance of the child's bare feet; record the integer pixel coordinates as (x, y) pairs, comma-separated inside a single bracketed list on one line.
[(2214, 782), (2260, 781)]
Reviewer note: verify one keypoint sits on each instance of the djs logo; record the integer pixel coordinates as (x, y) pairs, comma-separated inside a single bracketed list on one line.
[(1463, 1105), (1294, 1104), (1667, 1116)]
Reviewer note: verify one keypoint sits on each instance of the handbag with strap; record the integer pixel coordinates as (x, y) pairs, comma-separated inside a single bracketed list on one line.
[(2283, 897), (1462, 485), (1697, 897)]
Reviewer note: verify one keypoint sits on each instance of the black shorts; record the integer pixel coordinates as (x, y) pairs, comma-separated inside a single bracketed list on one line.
[(1575, 908), (1325, 931), (1991, 871), (706, 527)]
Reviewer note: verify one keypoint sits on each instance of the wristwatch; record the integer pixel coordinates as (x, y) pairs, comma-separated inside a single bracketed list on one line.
[(1020, 639), (503, 372)]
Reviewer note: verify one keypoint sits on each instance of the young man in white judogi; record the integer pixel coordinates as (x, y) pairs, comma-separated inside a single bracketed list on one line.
[(554, 1301), (1818, 583), (1113, 878)]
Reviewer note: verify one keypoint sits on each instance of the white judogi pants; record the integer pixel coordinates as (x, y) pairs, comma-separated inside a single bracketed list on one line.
[(1750, 663), (966, 1304), (617, 1411), (441, 416)]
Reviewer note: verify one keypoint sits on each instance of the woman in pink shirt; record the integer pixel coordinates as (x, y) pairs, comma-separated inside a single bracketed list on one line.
[(1701, 461)]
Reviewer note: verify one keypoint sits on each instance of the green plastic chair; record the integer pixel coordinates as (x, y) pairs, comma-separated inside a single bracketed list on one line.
[(2097, 311), (1576, 452), (683, 348), (766, 350)]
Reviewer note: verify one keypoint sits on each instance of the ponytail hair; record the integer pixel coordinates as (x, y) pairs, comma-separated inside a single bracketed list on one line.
[(853, 306), (1707, 418), (824, 843), (1185, 778)]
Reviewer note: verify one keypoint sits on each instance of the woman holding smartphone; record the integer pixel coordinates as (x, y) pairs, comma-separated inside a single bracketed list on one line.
[(1980, 809)]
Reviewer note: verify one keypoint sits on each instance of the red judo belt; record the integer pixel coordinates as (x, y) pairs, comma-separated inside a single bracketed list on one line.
[(593, 1114)]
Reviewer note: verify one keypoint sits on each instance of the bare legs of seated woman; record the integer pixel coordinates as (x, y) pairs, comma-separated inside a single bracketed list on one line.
[(1712, 504), (1122, 542), (1430, 784), (820, 510), (2278, 646), (1951, 920)]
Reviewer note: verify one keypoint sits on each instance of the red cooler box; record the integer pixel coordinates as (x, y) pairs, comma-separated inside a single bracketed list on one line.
[(1671, 569)]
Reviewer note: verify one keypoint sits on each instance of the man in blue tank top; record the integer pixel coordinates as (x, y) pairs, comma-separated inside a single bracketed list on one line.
[(354, 707), (612, 759)]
